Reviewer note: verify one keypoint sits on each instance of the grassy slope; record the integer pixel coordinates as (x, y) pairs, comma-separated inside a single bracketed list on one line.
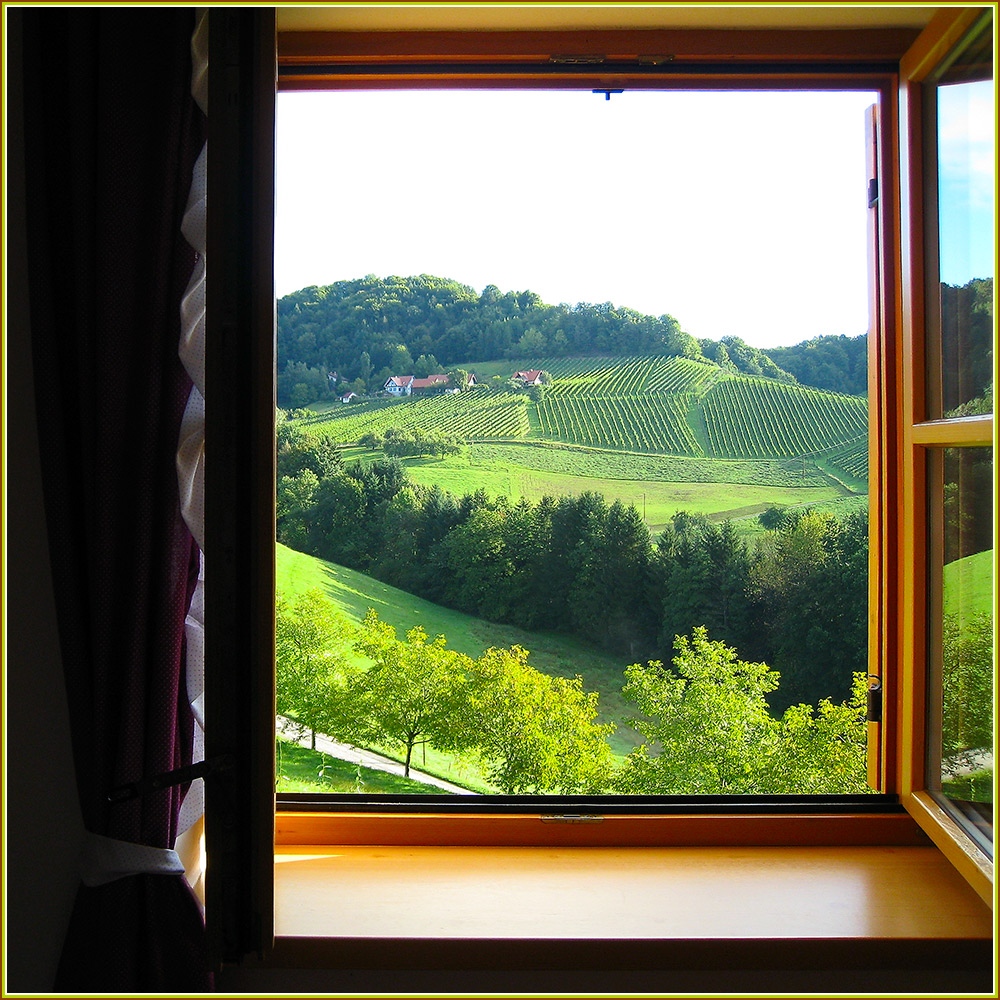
[(559, 655), (525, 471), (968, 585), (303, 770)]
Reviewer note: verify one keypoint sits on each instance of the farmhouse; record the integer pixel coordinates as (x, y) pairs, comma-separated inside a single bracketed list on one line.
[(399, 385), (350, 396), (431, 382), (532, 377), (405, 385)]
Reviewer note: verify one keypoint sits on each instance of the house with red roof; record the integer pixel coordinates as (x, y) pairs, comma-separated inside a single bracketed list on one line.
[(399, 385), (531, 377)]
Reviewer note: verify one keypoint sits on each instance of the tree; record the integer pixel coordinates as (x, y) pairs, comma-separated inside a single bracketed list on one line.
[(415, 693), (967, 683), (311, 640), (536, 733), (709, 716)]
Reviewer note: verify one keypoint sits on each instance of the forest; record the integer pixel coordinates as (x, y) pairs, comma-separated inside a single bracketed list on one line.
[(367, 329), (796, 598)]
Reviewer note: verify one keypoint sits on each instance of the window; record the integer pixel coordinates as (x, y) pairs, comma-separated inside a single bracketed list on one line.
[(946, 779), (737, 212), (899, 624)]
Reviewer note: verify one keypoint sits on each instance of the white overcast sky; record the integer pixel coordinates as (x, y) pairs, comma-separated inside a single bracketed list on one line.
[(737, 213)]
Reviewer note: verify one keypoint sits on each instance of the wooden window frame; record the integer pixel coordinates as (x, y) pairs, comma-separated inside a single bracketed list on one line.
[(241, 163), (918, 434)]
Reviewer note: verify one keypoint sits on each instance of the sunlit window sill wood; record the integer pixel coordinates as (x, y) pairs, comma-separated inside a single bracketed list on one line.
[(401, 907)]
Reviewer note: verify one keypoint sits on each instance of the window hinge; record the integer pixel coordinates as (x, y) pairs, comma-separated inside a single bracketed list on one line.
[(872, 192), (572, 818), (571, 60), (874, 713), (136, 789)]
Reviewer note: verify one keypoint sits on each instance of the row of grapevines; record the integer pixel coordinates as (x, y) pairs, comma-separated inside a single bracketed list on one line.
[(750, 417), (679, 375), (637, 422), (852, 458), (467, 415)]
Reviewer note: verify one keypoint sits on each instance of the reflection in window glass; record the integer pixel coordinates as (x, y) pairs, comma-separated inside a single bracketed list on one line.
[(962, 660), (966, 171)]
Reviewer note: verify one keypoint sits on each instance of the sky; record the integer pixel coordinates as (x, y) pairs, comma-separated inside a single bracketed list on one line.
[(739, 214), (966, 172)]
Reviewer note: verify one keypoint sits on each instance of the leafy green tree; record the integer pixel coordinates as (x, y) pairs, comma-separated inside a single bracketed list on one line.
[(809, 580), (426, 365), (824, 749), (294, 501), (708, 716), (535, 733), (704, 570), (311, 641), (415, 693), (967, 683)]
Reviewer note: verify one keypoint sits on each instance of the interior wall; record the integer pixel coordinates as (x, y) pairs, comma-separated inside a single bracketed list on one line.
[(44, 828)]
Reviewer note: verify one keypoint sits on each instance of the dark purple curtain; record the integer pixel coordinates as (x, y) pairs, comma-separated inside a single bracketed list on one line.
[(111, 137)]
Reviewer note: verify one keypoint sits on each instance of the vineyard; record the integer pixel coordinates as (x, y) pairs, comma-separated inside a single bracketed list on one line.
[(669, 406), (639, 422), (852, 458), (752, 417), (477, 414)]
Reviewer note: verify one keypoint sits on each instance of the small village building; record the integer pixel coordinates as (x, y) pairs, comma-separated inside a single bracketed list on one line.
[(431, 382), (531, 377), (399, 385)]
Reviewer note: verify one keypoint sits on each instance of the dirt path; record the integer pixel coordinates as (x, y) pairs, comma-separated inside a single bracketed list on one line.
[(367, 758)]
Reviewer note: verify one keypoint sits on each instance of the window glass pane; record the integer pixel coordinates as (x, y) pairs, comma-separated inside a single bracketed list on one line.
[(961, 685), (966, 170)]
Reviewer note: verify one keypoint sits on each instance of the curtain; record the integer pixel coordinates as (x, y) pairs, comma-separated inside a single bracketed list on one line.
[(112, 136)]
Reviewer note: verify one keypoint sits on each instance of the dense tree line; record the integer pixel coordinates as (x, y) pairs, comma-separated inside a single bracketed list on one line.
[(367, 329), (839, 364), (576, 564)]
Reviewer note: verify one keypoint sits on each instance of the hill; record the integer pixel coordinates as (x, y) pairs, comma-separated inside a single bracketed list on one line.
[(652, 405), (558, 655), (365, 330)]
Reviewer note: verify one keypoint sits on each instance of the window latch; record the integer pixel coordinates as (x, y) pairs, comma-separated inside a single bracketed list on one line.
[(180, 775), (874, 713), (872, 192)]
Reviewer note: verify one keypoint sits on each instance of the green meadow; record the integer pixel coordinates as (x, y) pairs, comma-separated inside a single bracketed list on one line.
[(517, 471), (968, 585), (557, 655)]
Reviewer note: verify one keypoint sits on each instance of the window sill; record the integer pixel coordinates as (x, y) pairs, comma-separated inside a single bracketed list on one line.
[(614, 908)]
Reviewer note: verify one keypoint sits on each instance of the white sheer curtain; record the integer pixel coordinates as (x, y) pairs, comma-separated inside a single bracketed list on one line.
[(191, 461)]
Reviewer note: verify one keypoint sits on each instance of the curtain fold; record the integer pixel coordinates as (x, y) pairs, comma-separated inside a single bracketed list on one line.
[(112, 136)]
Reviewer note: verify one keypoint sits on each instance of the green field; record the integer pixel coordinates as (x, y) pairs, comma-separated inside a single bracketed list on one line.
[(300, 769), (557, 655), (532, 471), (661, 433), (968, 585)]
